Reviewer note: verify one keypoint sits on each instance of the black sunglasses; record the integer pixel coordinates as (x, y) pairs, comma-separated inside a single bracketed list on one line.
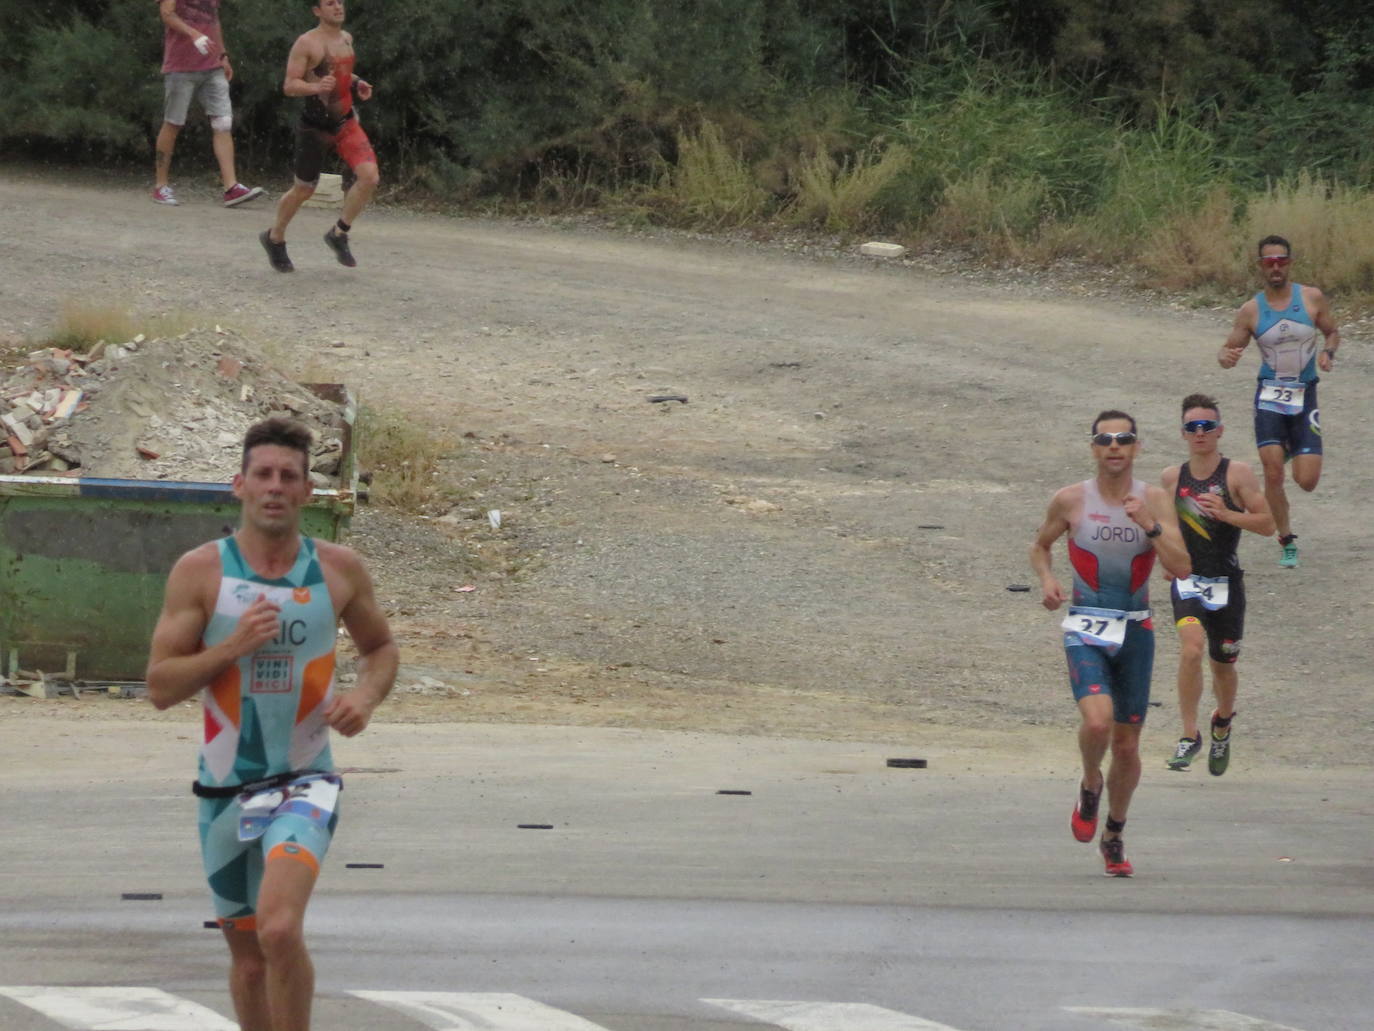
[(1200, 425), (1125, 438)]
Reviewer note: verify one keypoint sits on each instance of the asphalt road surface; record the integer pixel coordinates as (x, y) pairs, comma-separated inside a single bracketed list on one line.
[(838, 895)]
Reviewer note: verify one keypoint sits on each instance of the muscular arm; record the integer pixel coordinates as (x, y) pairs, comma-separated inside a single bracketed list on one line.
[(1242, 330), (177, 665), (1056, 524), (1169, 483), (304, 56), (1244, 486), (1320, 311), (378, 656), (1169, 545)]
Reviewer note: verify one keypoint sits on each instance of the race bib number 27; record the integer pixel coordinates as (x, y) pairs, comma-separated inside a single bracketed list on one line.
[(1101, 628)]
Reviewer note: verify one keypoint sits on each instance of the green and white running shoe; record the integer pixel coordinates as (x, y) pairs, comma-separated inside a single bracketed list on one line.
[(1219, 757), (1187, 750)]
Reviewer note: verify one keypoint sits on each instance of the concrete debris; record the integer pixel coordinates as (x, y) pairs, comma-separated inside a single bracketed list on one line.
[(170, 408)]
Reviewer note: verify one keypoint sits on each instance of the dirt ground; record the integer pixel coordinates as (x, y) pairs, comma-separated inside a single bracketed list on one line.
[(817, 543)]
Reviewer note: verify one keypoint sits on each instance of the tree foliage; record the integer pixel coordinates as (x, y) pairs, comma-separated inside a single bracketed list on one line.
[(497, 93)]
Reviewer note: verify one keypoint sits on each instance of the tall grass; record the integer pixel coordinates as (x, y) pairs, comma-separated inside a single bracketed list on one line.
[(987, 132), (1011, 163), (712, 184), (844, 194), (1330, 225), (1153, 175), (1199, 248)]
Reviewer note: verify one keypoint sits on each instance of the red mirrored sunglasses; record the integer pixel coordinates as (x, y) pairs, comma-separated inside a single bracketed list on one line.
[(1275, 261)]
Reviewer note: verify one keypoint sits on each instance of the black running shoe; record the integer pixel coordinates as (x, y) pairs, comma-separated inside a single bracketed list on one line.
[(338, 243), (276, 252), (1219, 756)]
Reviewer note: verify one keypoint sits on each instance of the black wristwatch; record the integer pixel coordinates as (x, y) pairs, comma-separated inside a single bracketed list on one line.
[(1155, 532)]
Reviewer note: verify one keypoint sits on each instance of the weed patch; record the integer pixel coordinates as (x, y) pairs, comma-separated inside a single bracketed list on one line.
[(405, 462)]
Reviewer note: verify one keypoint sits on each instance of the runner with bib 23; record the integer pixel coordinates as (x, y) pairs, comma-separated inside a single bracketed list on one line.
[(1297, 337)]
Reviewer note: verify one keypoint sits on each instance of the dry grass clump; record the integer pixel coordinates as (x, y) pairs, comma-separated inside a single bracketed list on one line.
[(842, 195), (404, 459), (998, 216), (1199, 248), (712, 185), (1329, 224), (82, 324)]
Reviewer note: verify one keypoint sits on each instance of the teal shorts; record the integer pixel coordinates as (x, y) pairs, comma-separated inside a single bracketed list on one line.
[(1124, 676), (234, 868)]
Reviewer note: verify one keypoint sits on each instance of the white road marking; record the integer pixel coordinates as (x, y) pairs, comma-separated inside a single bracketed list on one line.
[(119, 1009), (479, 1011), (1179, 1020), (827, 1016)]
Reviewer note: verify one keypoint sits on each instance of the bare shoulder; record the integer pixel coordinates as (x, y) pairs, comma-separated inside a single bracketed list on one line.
[(200, 561), (1066, 499), (1238, 470), (1248, 312), (1169, 477), (194, 578), (338, 557), (309, 44), (1154, 492), (1312, 297)]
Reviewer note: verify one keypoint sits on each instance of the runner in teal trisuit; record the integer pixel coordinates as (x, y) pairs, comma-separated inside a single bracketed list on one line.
[(251, 620)]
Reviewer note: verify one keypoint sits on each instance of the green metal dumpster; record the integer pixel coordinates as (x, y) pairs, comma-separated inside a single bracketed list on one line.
[(83, 562)]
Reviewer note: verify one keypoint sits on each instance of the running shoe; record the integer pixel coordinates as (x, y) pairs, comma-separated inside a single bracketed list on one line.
[(276, 252), (1289, 559), (1083, 823), (164, 195), (1187, 750), (1114, 855), (240, 194), (338, 243), (1220, 755)]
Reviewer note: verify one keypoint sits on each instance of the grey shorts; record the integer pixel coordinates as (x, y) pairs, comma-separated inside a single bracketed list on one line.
[(210, 88)]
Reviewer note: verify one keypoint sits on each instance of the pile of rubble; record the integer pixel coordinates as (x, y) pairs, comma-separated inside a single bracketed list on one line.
[(168, 409)]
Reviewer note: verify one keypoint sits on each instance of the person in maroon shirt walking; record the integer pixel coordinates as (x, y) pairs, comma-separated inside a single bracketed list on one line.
[(196, 66)]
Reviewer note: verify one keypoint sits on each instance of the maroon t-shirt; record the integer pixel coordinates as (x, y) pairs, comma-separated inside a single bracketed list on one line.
[(179, 53)]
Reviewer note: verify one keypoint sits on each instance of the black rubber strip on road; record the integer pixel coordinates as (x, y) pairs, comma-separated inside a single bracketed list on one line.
[(907, 764)]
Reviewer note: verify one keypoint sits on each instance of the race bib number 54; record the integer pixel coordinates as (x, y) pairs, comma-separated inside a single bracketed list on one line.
[(1214, 593)]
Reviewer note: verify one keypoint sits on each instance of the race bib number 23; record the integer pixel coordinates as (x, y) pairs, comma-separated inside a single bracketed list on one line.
[(1286, 397)]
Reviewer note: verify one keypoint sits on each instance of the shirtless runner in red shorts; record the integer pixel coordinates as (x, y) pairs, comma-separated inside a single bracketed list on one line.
[(320, 69)]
